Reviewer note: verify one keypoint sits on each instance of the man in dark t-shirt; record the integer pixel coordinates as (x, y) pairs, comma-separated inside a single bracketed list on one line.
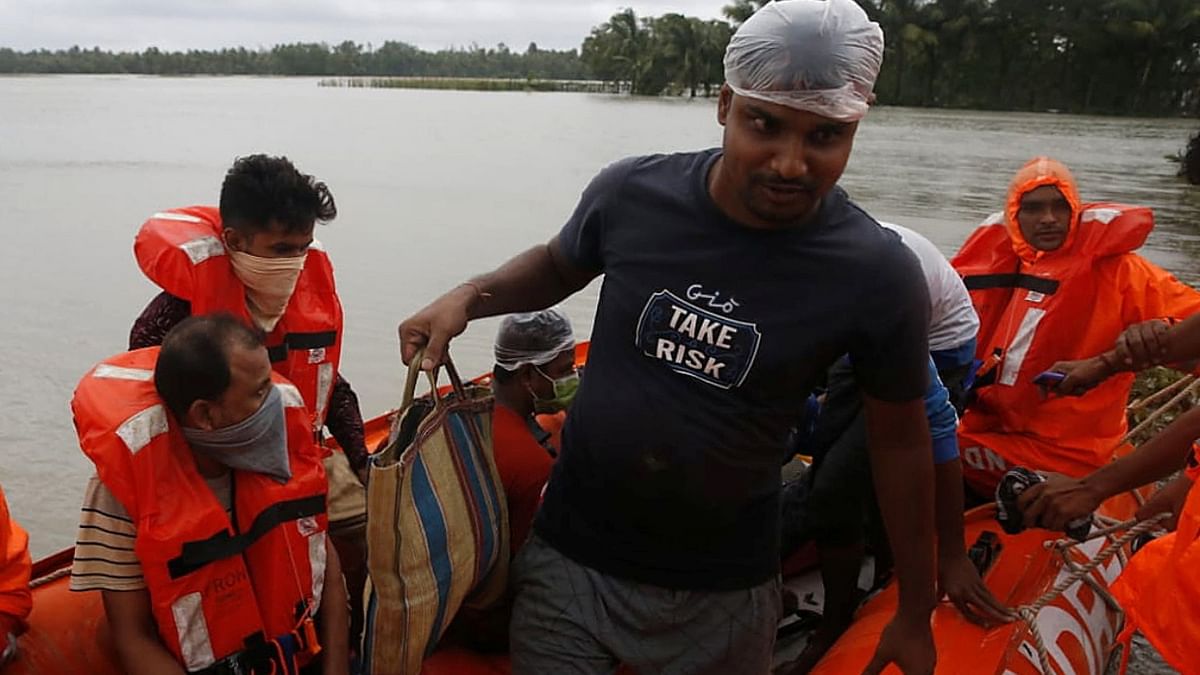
[(733, 279)]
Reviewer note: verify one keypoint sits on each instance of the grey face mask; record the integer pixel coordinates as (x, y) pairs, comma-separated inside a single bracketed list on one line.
[(257, 443)]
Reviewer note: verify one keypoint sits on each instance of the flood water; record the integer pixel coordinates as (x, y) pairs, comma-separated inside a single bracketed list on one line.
[(432, 187)]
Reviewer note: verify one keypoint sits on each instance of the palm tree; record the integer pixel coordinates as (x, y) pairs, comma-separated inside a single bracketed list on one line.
[(740, 10)]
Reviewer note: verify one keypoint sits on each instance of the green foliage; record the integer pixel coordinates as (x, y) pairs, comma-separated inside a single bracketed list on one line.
[(1131, 57), (1147, 383), (738, 11), (346, 59), (1137, 57), (670, 53), (468, 84)]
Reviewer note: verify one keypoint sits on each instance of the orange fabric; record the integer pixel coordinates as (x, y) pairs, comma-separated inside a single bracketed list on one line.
[(1091, 289), (182, 252), (524, 467), (1192, 468), (553, 424), (16, 601), (1160, 590), (141, 456)]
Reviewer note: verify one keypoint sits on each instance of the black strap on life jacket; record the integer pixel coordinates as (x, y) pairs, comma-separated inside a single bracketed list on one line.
[(301, 341), (222, 545), (980, 282)]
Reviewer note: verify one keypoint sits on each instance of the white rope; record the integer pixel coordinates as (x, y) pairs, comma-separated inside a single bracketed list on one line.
[(1028, 613)]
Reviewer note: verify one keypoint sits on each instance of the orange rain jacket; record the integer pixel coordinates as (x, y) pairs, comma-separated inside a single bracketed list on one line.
[(1039, 307), (16, 601), (1160, 591)]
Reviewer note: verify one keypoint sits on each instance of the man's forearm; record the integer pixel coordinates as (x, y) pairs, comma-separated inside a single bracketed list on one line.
[(335, 617), (533, 280), (1183, 341), (948, 481), (901, 460), (1155, 459)]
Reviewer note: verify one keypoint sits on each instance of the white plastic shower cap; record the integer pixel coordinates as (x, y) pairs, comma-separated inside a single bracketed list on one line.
[(534, 338), (820, 56)]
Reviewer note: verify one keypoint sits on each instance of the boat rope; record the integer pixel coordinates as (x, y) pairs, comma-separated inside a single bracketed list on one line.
[(53, 576), (1159, 395), (1133, 529), (1163, 409)]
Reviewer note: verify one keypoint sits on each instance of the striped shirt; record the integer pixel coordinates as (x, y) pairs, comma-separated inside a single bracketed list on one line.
[(104, 555)]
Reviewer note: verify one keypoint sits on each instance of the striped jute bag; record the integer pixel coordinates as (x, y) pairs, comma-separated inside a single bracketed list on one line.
[(437, 524)]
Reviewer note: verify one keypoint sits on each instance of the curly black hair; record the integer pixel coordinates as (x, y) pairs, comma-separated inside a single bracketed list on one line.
[(259, 189), (1191, 161)]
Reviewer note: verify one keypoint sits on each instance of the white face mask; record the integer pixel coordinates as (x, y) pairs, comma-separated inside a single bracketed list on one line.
[(269, 284)]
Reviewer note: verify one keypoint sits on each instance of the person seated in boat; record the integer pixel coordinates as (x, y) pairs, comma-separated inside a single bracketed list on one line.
[(1054, 279), (255, 256), (205, 526), (733, 279), (1159, 589), (831, 502), (16, 600), (534, 378)]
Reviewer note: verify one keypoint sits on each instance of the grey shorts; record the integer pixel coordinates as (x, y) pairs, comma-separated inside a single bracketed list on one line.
[(569, 619)]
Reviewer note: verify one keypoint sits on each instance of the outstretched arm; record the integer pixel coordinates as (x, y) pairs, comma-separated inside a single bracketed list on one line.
[(1059, 500), (533, 280)]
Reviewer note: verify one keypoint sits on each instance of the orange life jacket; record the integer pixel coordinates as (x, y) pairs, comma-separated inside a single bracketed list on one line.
[(1036, 308), (217, 588), (182, 251), (16, 601), (1160, 590)]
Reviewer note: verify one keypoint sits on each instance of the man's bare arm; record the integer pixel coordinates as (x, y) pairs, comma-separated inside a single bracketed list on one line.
[(533, 280), (902, 462), (135, 634), (335, 617)]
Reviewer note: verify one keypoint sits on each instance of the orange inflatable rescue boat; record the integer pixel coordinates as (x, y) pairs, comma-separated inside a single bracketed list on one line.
[(1071, 632)]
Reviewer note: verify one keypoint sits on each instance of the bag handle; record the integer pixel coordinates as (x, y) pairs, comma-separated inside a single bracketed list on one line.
[(414, 372), (410, 382)]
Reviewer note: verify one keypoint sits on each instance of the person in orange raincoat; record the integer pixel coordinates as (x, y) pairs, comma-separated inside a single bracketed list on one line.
[(1054, 279), (16, 601), (1160, 588)]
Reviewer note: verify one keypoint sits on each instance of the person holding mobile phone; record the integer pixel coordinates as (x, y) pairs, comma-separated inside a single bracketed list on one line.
[(1053, 279)]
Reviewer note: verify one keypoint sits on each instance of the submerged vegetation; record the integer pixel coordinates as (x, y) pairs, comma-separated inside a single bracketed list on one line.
[(474, 84), (1132, 57)]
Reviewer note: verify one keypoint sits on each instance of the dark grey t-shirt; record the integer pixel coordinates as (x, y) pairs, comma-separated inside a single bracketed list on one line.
[(708, 337)]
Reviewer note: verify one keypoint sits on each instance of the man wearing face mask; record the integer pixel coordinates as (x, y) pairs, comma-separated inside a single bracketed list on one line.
[(204, 527), (255, 257), (534, 375)]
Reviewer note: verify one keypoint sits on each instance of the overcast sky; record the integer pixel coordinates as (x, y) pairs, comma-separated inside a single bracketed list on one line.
[(207, 24)]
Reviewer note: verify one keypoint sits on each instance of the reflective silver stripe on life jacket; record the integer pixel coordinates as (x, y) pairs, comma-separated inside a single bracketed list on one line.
[(110, 372), (316, 560), (190, 625), (1020, 346), (1103, 215), (201, 249), (324, 388), (140, 429), (180, 217), (290, 395)]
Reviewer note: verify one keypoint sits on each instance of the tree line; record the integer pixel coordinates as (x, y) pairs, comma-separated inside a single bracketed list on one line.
[(345, 59), (1132, 57)]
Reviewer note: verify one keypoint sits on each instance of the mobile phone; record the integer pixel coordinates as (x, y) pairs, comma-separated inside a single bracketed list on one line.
[(1049, 378)]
